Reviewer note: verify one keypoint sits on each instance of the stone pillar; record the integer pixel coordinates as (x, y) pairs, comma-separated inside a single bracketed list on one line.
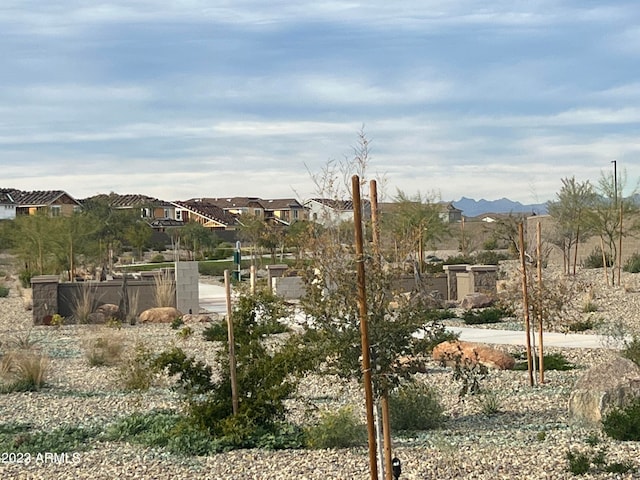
[(187, 291), (275, 271), (452, 279), (484, 278), (45, 297)]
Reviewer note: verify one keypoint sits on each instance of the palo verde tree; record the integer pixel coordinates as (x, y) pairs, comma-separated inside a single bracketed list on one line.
[(414, 222), (610, 208), (330, 300), (572, 212)]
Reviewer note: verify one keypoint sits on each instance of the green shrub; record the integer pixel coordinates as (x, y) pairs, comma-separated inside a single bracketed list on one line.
[(623, 423), (25, 278), (631, 350), (632, 265), (487, 315), (579, 463), (490, 403), (582, 325), (158, 258), (339, 429), (594, 259), (22, 438), (552, 361), (415, 406), (490, 257), (4, 291)]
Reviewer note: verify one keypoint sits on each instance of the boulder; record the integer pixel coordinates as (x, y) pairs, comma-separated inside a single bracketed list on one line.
[(603, 388), (476, 300), (160, 315), (196, 318), (103, 313), (474, 352)]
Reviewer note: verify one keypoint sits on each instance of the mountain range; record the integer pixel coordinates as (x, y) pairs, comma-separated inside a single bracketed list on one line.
[(473, 208)]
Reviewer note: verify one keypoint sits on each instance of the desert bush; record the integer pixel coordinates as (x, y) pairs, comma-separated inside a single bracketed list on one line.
[(595, 259), (415, 406), (623, 423), (164, 292), (631, 350), (551, 361), (582, 325), (434, 333), (137, 372), (4, 291), (490, 257), (490, 403), (104, 349), (23, 371), (632, 265), (157, 258), (337, 429), (487, 315), (594, 461)]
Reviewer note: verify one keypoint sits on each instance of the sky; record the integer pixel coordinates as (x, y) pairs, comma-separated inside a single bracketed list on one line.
[(204, 98)]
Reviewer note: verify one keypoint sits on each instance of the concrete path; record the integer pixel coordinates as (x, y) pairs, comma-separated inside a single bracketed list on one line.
[(212, 299)]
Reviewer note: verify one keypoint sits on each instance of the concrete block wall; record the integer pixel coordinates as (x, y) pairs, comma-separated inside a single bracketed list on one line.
[(187, 291), (290, 288)]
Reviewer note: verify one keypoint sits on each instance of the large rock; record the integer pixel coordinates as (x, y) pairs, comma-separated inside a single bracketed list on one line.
[(476, 300), (603, 388), (103, 313), (160, 315), (447, 352)]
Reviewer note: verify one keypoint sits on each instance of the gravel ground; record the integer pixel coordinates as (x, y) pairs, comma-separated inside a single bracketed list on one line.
[(527, 439)]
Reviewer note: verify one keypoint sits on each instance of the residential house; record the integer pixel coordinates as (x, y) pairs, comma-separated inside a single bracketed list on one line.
[(284, 211), (449, 213), (54, 202), (7, 204), (205, 213), (330, 212), (150, 208)]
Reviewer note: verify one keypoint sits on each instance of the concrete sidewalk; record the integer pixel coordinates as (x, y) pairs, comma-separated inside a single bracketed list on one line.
[(510, 337), (212, 299)]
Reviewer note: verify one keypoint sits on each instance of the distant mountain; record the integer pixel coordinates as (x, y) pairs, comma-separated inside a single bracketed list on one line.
[(473, 208)]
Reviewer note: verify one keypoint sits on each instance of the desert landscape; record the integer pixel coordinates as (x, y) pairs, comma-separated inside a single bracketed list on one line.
[(518, 431)]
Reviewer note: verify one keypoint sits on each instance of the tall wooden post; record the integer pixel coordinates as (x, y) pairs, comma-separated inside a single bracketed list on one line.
[(525, 301), (620, 246), (364, 329), (232, 345), (384, 399), (540, 323)]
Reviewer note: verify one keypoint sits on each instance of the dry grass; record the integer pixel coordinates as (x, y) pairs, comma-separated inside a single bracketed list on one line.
[(84, 304), (23, 371), (164, 289), (134, 305), (105, 348)]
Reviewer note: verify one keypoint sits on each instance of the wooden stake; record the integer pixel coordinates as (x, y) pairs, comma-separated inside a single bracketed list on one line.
[(232, 347), (540, 326), (364, 329), (604, 262), (620, 246), (525, 302), (384, 400)]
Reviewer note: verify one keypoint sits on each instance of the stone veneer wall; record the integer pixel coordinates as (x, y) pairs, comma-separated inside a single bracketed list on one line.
[(483, 279), (50, 296)]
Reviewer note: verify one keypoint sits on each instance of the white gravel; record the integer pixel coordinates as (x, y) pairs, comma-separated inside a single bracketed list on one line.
[(527, 439)]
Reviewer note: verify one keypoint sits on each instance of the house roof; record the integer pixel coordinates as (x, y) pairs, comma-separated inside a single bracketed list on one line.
[(335, 204), (39, 198), (281, 203), (231, 202), (209, 211), (128, 200), (6, 196)]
